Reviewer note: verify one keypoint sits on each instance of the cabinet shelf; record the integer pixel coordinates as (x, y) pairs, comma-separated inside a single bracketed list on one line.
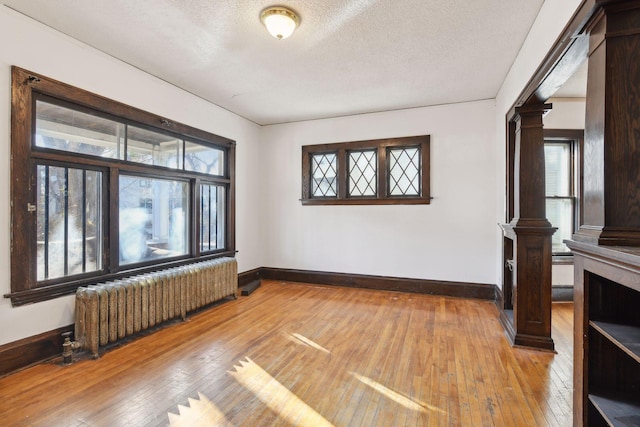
[(607, 333), (617, 410), (625, 337)]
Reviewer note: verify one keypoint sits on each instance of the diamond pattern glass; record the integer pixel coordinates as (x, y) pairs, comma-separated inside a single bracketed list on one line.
[(404, 171), (362, 173), (324, 175)]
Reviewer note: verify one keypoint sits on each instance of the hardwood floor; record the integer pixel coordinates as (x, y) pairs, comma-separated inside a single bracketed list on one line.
[(293, 354)]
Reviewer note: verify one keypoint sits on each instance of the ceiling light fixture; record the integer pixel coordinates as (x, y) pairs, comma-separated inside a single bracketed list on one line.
[(280, 21)]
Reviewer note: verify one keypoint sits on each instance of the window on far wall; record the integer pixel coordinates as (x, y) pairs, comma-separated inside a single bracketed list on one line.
[(101, 190), (382, 171), (562, 185)]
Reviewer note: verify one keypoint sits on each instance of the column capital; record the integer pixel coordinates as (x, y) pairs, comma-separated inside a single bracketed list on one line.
[(537, 108)]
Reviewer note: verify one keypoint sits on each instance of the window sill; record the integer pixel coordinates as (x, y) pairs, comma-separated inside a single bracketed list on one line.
[(365, 201)]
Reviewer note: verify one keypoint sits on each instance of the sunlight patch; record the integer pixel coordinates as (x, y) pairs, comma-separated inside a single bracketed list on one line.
[(276, 396), (395, 396), (200, 412), (301, 339)]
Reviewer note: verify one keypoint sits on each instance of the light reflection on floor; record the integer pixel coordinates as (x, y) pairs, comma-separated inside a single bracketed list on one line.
[(203, 412), (200, 412), (301, 339), (277, 397), (395, 396)]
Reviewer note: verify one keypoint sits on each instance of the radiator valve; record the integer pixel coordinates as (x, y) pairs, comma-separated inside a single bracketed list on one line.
[(68, 347)]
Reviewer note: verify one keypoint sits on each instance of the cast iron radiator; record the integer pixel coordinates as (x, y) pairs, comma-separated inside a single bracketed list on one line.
[(108, 312)]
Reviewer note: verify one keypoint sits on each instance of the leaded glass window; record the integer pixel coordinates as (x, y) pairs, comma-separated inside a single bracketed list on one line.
[(324, 175), (375, 172), (362, 173), (404, 171)]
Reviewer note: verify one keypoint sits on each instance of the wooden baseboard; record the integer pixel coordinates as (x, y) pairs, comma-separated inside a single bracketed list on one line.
[(423, 286), (562, 293), (534, 342), (522, 340), (31, 350), (248, 289), (499, 299), (247, 277)]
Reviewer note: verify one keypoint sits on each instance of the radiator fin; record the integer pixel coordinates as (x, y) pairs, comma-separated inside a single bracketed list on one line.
[(108, 312)]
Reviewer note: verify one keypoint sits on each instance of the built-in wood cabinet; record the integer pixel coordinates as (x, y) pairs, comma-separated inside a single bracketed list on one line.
[(607, 335), (606, 246)]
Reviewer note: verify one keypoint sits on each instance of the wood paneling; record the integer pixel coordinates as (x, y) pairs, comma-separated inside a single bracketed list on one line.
[(248, 276), (311, 355)]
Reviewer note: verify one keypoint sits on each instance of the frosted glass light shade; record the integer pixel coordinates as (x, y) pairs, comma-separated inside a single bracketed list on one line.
[(280, 22)]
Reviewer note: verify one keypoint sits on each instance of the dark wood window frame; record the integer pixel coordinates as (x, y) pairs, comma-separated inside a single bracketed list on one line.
[(575, 139), (382, 196), (26, 88)]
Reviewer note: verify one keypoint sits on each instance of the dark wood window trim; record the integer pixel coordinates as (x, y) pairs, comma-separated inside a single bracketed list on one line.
[(382, 196), (26, 88), (574, 137)]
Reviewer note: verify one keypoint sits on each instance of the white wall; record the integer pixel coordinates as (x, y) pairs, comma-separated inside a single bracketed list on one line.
[(567, 113), (44, 51), (562, 275), (551, 20), (450, 239)]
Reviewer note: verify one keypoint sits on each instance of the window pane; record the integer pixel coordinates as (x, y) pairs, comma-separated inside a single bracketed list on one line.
[(153, 148), (323, 175), (212, 219), (93, 220), (203, 159), (404, 171), (560, 214), (362, 173), (557, 163), (69, 130), (68, 221), (153, 218)]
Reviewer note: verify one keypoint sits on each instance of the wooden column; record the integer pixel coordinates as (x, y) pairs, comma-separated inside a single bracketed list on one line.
[(612, 131), (611, 213), (531, 234)]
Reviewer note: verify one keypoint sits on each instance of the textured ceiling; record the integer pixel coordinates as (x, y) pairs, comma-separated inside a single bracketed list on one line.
[(347, 57)]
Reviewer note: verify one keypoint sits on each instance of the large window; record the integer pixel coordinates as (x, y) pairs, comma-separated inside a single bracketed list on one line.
[(101, 190), (384, 171), (562, 185), (153, 218)]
